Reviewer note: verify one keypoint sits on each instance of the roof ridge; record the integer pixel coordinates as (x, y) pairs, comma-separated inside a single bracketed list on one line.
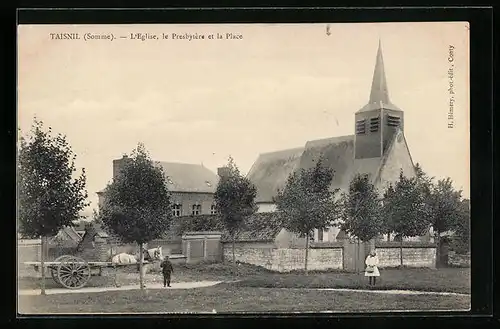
[(330, 138), (283, 150)]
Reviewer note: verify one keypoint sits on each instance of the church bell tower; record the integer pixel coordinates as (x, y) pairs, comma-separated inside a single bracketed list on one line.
[(379, 120)]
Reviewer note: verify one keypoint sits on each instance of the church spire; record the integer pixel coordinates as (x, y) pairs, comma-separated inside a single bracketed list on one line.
[(379, 92)]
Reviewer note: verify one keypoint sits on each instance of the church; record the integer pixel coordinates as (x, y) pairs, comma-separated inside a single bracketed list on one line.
[(377, 148)]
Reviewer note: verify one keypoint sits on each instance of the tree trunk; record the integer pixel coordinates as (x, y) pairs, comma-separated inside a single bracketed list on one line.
[(234, 255), (358, 268), (401, 251), (307, 253), (141, 274), (438, 249), (388, 236), (42, 263)]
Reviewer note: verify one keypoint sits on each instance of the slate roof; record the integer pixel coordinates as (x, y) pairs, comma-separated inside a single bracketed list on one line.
[(186, 177), (379, 93)]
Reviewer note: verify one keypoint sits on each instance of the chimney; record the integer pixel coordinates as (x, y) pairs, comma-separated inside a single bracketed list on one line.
[(118, 165), (223, 171)]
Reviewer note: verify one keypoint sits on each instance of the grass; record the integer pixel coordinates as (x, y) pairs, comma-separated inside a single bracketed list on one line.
[(182, 273), (258, 290), (420, 279), (442, 280), (235, 299)]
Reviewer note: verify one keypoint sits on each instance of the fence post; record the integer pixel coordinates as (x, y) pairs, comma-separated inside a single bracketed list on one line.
[(188, 250), (205, 248)]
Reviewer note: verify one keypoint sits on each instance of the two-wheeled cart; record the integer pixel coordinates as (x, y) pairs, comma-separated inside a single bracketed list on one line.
[(73, 272)]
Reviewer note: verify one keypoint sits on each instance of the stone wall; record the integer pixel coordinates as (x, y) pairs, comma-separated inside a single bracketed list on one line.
[(412, 256), (346, 256), (285, 259), (458, 260)]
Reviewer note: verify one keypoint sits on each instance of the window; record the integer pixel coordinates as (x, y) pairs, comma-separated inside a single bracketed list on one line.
[(177, 209), (393, 121), (213, 209), (374, 123), (320, 235), (360, 127), (196, 209)]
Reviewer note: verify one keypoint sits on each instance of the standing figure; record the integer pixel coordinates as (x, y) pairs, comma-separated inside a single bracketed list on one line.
[(167, 269), (371, 267)]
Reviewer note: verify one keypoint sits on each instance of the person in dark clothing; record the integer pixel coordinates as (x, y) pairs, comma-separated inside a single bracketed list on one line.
[(167, 269)]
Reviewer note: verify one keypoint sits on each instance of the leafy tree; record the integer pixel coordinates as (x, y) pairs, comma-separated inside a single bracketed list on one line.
[(307, 203), (462, 228), (362, 209), (405, 209), (137, 203), (234, 201), (49, 196), (444, 207), (444, 210), (389, 193)]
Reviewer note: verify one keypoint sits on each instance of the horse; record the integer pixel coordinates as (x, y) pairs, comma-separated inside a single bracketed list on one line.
[(148, 255)]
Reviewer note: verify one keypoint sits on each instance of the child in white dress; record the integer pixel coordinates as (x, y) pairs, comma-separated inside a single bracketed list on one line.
[(371, 267)]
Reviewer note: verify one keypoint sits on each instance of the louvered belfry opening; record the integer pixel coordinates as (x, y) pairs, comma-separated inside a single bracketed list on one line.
[(393, 121), (374, 124), (360, 127)]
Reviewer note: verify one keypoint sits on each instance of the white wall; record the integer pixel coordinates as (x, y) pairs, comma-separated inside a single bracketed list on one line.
[(266, 207), (329, 235)]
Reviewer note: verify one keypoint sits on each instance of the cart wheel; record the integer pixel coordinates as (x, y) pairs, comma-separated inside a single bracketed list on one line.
[(73, 272), (53, 270)]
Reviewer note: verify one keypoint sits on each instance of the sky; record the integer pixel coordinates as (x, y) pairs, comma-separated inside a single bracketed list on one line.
[(276, 87)]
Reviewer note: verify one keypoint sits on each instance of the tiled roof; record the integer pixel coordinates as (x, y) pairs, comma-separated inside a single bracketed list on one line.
[(258, 227), (67, 233)]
